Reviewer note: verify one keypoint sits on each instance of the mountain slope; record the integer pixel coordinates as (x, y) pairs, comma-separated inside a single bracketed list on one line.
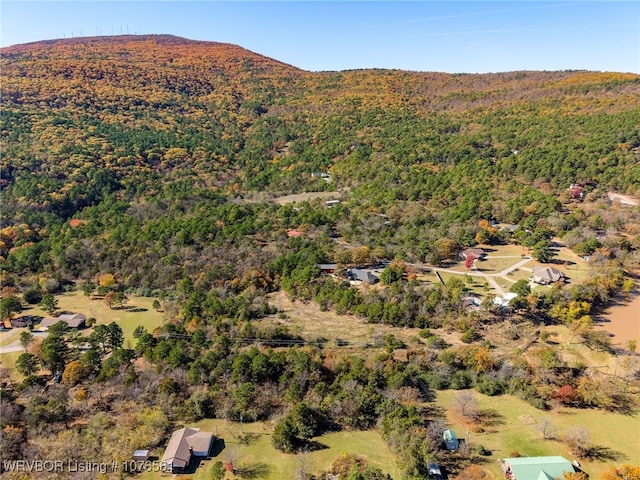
[(88, 123)]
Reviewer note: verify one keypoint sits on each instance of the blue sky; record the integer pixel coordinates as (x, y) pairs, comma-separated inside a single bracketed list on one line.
[(447, 36)]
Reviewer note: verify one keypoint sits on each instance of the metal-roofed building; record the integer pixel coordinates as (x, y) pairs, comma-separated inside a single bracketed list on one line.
[(536, 468)]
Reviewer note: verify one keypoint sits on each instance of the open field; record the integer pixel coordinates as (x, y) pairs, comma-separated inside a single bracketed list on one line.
[(260, 455), (138, 311), (306, 319), (519, 274), (617, 435), (575, 268)]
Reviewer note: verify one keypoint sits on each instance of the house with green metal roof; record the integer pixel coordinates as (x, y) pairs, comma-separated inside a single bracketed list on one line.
[(536, 468)]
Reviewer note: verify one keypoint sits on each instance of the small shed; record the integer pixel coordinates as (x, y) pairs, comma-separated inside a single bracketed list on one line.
[(327, 267), (450, 440), (141, 455)]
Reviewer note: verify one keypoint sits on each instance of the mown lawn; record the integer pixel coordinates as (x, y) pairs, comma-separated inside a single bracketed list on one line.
[(617, 435), (259, 456), (138, 311)]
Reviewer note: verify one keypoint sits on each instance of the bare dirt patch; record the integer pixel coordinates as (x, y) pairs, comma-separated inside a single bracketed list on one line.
[(527, 419), (623, 199), (621, 319), (306, 196)]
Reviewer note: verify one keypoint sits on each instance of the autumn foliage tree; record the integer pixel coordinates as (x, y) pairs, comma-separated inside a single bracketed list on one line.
[(624, 472), (567, 395)]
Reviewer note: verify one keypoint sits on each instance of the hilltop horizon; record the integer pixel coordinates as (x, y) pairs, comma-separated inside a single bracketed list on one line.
[(184, 40), (430, 36)]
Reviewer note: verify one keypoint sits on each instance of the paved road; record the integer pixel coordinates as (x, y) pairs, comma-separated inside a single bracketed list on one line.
[(504, 272), (490, 277), (15, 346)]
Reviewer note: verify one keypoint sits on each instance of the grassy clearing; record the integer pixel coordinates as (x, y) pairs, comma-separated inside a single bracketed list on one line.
[(496, 265), (260, 455), (7, 337), (520, 274), (138, 311), (618, 435), (8, 361), (307, 320)]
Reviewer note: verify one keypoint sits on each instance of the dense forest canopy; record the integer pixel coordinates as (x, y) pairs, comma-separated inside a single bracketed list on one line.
[(154, 140)]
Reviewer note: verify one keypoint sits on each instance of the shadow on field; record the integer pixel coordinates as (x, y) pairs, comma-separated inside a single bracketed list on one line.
[(604, 454), (253, 470), (217, 447)]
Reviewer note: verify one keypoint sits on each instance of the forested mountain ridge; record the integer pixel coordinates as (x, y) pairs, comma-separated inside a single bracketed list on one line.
[(128, 122), (88, 123)]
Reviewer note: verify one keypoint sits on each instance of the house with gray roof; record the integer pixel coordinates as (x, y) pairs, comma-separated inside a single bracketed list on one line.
[(546, 275), (183, 445), (73, 320), (361, 275)]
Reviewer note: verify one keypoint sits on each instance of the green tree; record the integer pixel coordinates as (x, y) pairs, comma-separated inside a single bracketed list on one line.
[(139, 331), (295, 429), (99, 338), (91, 359), (32, 296), (49, 303), (60, 328), (521, 287), (54, 353), (26, 339), (392, 273), (115, 337), (543, 252), (27, 364), (120, 299), (88, 288), (217, 471), (9, 305)]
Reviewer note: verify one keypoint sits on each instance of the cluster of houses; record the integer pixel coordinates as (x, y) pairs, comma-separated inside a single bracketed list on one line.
[(517, 468), (188, 445), (541, 275)]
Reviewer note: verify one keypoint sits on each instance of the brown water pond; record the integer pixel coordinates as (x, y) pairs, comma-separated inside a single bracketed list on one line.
[(622, 320)]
